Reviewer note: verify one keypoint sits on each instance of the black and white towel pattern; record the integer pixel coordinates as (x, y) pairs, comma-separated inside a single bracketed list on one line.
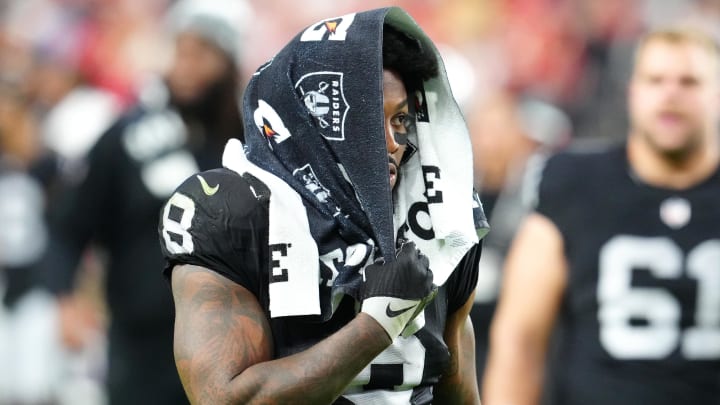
[(314, 133)]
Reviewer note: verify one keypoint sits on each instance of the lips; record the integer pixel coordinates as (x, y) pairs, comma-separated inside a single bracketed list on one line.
[(671, 116), (392, 170), (393, 173)]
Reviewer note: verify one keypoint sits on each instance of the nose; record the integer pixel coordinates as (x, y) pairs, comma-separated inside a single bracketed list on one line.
[(392, 144)]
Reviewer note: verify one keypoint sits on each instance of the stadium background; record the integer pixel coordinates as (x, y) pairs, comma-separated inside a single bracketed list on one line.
[(572, 56)]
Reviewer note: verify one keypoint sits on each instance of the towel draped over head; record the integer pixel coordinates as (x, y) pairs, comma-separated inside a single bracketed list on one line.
[(315, 136)]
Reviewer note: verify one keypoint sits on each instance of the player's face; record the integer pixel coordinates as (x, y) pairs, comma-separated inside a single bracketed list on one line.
[(197, 65), (395, 104), (674, 97)]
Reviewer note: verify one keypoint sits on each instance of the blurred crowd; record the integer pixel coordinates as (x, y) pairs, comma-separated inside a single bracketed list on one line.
[(530, 75)]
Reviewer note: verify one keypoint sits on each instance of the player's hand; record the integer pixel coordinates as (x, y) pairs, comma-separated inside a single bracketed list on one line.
[(395, 293), (80, 321)]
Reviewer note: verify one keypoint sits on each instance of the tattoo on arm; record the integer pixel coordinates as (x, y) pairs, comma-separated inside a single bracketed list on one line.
[(223, 348), (214, 319)]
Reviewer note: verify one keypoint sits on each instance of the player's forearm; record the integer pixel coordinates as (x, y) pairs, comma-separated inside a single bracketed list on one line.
[(223, 348), (458, 387), (315, 376), (513, 376)]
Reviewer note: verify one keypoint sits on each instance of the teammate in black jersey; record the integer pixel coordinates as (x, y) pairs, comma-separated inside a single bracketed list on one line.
[(180, 126), (215, 231), (623, 253)]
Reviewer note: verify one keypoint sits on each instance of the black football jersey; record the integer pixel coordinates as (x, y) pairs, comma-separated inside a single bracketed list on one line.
[(219, 219), (640, 321)]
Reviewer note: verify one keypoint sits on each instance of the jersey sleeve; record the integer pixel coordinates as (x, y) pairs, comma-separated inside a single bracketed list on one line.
[(463, 280), (557, 186), (216, 220)]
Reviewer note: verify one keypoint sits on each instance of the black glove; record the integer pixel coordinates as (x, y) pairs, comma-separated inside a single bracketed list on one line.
[(395, 293)]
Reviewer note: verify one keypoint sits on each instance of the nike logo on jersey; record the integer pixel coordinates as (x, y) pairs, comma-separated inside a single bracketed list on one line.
[(209, 191), (393, 313)]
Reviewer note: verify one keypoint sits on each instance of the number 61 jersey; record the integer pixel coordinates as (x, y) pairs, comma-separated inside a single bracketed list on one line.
[(640, 321)]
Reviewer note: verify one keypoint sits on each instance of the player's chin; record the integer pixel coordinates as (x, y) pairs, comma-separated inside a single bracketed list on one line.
[(676, 143), (186, 92)]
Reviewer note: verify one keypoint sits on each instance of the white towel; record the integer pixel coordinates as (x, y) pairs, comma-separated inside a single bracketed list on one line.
[(441, 171), (287, 222)]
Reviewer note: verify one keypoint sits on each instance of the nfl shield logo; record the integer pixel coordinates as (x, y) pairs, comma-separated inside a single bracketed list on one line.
[(675, 212)]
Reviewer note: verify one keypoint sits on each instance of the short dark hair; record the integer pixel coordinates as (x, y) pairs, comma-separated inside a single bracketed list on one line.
[(406, 56)]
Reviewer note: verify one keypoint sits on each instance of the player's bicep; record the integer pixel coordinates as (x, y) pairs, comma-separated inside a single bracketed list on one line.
[(220, 330), (534, 282), (459, 381), (456, 333)]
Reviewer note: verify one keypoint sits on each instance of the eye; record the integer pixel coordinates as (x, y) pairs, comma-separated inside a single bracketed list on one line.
[(399, 120), (689, 81), (402, 125)]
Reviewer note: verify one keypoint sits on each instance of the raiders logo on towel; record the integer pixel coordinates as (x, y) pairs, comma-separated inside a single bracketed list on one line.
[(322, 93)]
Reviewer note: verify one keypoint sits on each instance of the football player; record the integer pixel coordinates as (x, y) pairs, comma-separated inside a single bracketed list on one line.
[(383, 338), (622, 253), (179, 126)]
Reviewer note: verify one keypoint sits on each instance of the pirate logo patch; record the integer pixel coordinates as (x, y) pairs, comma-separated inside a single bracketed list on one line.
[(307, 176), (323, 96)]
